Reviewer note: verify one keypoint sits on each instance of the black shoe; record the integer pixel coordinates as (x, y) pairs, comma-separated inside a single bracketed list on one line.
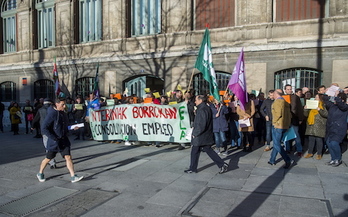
[(336, 163), (181, 147), (269, 162), (189, 171), (53, 166), (330, 163), (77, 138), (224, 168), (288, 164)]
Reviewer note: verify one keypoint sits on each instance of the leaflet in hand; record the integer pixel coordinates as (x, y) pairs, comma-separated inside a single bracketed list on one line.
[(72, 127)]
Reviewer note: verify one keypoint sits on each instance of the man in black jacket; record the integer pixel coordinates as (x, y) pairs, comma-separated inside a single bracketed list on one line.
[(202, 136), (55, 127), (266, 111)]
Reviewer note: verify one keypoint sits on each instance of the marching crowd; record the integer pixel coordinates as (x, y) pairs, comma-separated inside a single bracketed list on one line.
[(261, 120)]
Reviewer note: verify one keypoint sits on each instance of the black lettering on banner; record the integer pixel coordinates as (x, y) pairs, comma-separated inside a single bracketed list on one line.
[(114, 129), (157, 129)]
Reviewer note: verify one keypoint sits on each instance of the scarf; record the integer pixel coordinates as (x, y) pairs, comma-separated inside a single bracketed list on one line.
[(313, 113)]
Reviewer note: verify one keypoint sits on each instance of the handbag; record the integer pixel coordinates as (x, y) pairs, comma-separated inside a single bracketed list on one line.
[(30, 117)]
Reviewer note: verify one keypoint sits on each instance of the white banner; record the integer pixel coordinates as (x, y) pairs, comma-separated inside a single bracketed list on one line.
[(141, 122)]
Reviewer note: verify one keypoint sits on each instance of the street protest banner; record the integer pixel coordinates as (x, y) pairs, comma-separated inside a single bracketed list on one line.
[(141, 122)]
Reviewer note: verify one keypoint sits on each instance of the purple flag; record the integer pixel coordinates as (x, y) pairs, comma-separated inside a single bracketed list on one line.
[(237, 82)]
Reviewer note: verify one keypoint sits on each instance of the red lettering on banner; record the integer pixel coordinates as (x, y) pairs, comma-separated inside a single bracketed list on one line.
[(154, 112)]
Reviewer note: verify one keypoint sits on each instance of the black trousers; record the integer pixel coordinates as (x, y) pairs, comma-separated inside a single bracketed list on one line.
[(195, 153)]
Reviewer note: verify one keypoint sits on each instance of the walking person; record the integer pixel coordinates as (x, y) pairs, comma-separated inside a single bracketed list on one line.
[(39, 120), (202, 136), (266, 111), (55, 127), (281, 120), (315, 129), (16, 116), (336, 126)]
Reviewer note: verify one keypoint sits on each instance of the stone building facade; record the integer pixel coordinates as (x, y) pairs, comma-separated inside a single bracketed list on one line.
[(302, 42)]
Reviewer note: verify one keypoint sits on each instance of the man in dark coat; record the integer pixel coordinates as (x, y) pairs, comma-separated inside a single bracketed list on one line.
[(55, 127), (336, 126), (202, 136)]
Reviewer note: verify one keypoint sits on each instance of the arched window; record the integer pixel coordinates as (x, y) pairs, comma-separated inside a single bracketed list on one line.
[(44, 88), (8, 91), (136, 84), (8, 26), (201, 86), (298, 78), (45, 23), (84, 86), (90, 20)]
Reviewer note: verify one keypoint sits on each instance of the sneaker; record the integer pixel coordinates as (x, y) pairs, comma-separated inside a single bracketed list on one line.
[(40, 177), (181, 147), (331, 162), (53, 166), (189, 171), (337, 163), (127, 143), (76, 178), (224, 168)]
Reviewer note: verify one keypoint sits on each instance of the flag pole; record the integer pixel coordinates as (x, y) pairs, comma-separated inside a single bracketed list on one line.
[(193, 71)]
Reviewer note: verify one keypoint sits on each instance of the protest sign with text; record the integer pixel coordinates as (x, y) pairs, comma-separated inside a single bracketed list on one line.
[(141, 122)]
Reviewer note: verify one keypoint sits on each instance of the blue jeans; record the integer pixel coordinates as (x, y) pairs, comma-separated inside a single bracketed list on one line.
[(220, 138), (236, 139), (277, 135), (334, 149), (268, 132), (297, 140)]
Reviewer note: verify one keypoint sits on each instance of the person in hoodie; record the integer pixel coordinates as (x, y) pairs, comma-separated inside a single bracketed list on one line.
[(55, 127)]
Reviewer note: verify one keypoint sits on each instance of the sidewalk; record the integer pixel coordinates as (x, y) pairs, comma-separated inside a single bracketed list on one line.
[(148, 181)]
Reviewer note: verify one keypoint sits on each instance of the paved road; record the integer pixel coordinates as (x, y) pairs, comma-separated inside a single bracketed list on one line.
[(148, 181)]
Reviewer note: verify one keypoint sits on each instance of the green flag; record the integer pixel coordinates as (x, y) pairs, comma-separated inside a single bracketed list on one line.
[(204, 63)]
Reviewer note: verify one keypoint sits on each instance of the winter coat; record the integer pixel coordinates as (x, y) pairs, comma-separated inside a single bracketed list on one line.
[(14, 118), (55, 127), (296, 110), (202, 133), (249, 111), (220, 122), (266, 108), (281, 114), (336, 124), (79, 115), (319, 127), (40, 116)]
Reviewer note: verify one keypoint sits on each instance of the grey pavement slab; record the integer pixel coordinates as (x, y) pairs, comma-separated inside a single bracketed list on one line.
[(149, 181)]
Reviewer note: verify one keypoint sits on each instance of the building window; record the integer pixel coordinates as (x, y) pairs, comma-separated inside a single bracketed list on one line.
[(45, 23), (8, 23), (298, 78), (145, 17), (289, 10), (201, 86), (84, 86), (8, 91), (44, 89), (216, 13), (90, 16)]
